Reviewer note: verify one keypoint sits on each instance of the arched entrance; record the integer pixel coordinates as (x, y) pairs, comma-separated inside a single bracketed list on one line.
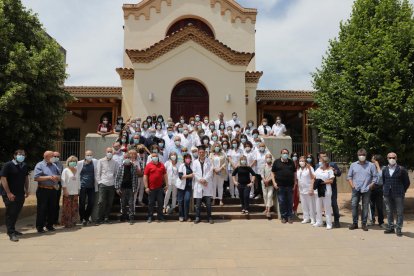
[(189, 98)]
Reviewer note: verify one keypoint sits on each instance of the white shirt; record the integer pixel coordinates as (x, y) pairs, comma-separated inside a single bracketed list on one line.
[(391, 169), (232, 123), (172, 172), (261, 129), (217, 123), (118, 157), (304, 176), (234, 156), (71, 181), (251, 157), (106, 171), (261, 159), (278, 130), (186, 142), (324, 175)]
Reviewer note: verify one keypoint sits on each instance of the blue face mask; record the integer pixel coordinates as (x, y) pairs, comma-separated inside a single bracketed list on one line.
[(285, 156), (20, 158), (136, 141), (243, 140), (154, 159), (294, 158), (309, 160)]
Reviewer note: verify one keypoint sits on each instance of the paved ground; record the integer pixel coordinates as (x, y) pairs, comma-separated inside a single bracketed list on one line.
[(239, 247)]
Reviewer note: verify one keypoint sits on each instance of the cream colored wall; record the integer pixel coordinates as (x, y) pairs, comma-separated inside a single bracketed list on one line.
[(142, 33), (189, 61), (127, 98), (251, 108), (89, 126)]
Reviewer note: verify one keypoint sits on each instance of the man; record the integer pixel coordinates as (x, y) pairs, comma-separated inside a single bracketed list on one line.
[(278, 129), (87, 170), (362, 177), (47, 175), (186, 138), (118, 155), (106, 171), (219, 121), (203, 186), (334, 198), (169, 138), (395, 184), (155, 175), (126, 183), (283, 175), (56, 160), (14, 189), (234, 121)]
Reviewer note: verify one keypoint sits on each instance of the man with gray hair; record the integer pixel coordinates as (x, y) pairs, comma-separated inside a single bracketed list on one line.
[(362, 177), (395, 184)]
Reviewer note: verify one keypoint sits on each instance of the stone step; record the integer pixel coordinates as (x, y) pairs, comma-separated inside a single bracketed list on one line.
[(215, 208)]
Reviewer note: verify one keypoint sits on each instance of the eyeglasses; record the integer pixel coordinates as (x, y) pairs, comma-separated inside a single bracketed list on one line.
[(392, 158)]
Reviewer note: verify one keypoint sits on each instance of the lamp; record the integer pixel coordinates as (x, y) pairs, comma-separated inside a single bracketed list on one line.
[(151, 96)]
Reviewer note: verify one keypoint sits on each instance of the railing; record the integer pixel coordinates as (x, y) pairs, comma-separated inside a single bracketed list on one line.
[(313, 148), (68, 148)]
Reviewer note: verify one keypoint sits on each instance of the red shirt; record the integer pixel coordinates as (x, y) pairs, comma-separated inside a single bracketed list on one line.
[(155, 174)]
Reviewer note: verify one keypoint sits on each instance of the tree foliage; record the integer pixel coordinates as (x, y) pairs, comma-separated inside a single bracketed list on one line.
[(32, 73), (364, 86)]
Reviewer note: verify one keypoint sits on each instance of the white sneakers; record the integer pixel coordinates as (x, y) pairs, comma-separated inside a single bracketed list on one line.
[(328, 226), (305, 221), (317, 224)]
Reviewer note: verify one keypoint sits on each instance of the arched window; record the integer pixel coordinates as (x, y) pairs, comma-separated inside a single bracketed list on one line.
[(194, 21)]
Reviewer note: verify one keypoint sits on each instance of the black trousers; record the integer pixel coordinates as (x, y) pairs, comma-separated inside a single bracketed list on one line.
[(158, 196), (58, 195), (46, 208), (86, 203), (207, 200), (244, 194), (377, 203), (334, 202), (13, 209), (258, 190)]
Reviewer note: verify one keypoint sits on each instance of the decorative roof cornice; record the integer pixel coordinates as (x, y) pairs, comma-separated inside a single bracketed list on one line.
[(185, 34), (125, 73), (94, 91), (253, 77), (285, 95), (144, 8)]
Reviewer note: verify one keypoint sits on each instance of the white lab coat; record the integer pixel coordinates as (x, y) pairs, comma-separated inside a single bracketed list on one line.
[(180, 184), (95, 167), (199, 190)]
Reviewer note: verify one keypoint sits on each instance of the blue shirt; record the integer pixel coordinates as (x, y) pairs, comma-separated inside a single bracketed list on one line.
[(362, 175), (87, 175), (46, 169)]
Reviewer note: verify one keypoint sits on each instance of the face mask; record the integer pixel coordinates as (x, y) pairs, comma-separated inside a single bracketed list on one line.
[(187, 161), (158, 127), (243, 140), (326, 159), (362, 158), (265, 123), (250, 124), (225, 147), (105, 122), (180, 130), (138, 123), (154, 159), (255, 135), (123, 141), (55, 159), (247, 131), (214, 138), (185, 132), (72, 164), (309, 160), (145, 126), (136, 141), (155, 151), (248, 149), (262, 149), (170, 133), (149, 121), (302, 164), (269, 160), (138, 133), (182, 121), (195, 155), (197, 119), (212, 127), (294, 158), (234, 118), (161, 145), (217, 149), (205, 142), (173, 157), (109, 155), (278, 121), (206, 121), (20, 158), (89, 157), (126, 161), (234, 146), (134, 125), (160, 120), (285, 156), (221, 127), (243, 162), (392, 162), (177, 143)]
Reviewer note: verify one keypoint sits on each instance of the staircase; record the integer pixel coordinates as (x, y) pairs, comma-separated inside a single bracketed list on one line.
[(231, 210)]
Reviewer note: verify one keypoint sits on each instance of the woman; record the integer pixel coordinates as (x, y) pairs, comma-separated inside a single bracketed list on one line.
[(159, 131), (310, 160), (234, 155), (160, 119), (145, 126), (324, 176), (295, 159), (172, 167), (264, 129), (104, 128), (305, 176), (205, 124), (251, 156), (134, 160), (184, 188), (261, 154), (267, 183), (244, 182), (71, 186), (218, 159), (376, 198), (243, 141), (120, 124)]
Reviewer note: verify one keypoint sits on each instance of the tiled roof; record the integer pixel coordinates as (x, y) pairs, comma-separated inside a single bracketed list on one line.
[(253, 77), (94, 91), (285, 95), (125, 73), (144, 8), (190, 32)]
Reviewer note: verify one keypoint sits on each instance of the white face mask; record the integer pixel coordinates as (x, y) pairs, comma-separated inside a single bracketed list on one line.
[(362, 158), (109, 155), (269, 160), (302, 163), (206, 121), (173, 157), (392, 162)]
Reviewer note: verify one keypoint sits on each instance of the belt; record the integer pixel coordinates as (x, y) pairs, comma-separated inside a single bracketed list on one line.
[(47, 187)]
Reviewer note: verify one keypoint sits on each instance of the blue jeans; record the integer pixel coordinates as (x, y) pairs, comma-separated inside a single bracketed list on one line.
[(285, 198), (394, 204), (356, 196), (156, 195), (184, 197), (244, 194)]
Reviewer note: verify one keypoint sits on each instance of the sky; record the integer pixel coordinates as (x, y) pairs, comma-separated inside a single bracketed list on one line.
[(291, 37)]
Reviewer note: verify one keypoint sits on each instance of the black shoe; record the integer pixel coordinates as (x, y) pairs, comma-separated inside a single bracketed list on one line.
[(162, 220), (84, 223), (290, 220), (284, 220), (51, 229), (131, 222), (107, 221), (364, 227), (17, 233), (98, 223), (389, 231), (41, 230), (211, 221), (337, 224), (353, 227), (399, 233), (149, 220), (13, 237), (197, 220)]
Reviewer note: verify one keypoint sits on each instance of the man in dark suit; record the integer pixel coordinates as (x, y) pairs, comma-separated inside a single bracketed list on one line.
[(395, 184)]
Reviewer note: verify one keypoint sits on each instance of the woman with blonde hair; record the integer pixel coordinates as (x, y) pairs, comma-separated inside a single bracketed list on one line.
[(219, 161), (71, 185), (244, 182)]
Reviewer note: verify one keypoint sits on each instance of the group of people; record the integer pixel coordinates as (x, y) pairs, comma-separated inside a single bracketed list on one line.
[(170, 163)]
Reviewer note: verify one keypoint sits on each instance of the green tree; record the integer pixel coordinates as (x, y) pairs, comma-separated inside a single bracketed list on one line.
[(32, 73), (365, 83)]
